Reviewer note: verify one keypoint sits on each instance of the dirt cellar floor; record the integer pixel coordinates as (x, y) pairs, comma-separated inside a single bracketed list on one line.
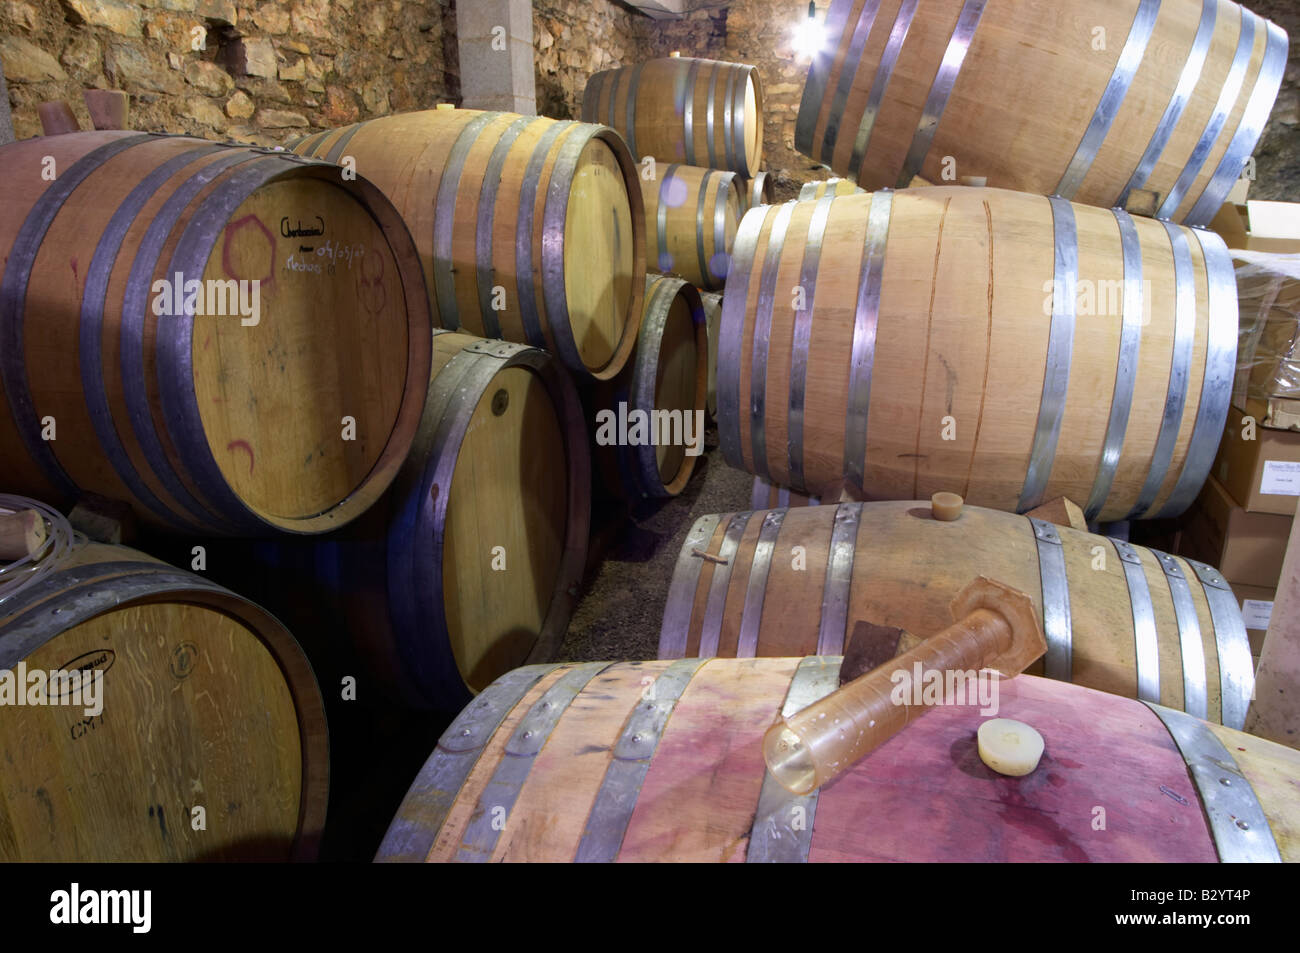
[(620, 613)]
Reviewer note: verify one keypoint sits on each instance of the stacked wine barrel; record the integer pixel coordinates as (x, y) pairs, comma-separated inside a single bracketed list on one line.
[(663, 761), (1117, 617), (201, 707), (1154, 105), (229, 340), (697, 128), (1007, 347), (529, 229), (472, 563), (666, 387)]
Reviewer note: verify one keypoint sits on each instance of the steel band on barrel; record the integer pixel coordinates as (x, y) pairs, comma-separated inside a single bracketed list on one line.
[(762, 334), (1060, 350), (1130, 58), (1179, 369), (1182, 94), (1214, 125), (879, 84), (783, 822), (1130, 342), (946, 77), (1195, 695), (865, 325), (751, 617)]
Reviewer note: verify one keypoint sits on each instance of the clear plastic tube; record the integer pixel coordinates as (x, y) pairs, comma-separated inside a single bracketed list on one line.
[(59, 540)]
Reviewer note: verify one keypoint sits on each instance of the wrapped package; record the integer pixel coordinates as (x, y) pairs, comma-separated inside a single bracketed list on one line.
[(1268, 337)]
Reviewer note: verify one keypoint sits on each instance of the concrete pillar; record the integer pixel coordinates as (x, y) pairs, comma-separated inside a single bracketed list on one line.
[(6, 119), (496, 55)]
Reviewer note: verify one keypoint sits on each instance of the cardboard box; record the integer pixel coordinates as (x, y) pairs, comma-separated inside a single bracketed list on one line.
[(1259, 226), (1246, 547), (1256, 604), (1262, 475)]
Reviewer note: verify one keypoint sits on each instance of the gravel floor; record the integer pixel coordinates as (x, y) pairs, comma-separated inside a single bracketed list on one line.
[(620, 613)]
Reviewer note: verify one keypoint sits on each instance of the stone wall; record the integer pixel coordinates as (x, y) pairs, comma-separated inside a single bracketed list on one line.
[(262, 72), (572, 40), (1277, 157)]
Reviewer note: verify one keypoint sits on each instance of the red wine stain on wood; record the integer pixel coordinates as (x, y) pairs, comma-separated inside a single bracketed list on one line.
[(228, 242), (207, 342), (1021, 813), (243, 445), (371, 277)]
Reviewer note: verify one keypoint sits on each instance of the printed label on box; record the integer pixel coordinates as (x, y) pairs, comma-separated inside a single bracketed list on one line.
[(1256, 613), (1281, 478)]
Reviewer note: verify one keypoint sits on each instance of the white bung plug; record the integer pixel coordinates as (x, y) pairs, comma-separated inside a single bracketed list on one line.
[(1010, 747)]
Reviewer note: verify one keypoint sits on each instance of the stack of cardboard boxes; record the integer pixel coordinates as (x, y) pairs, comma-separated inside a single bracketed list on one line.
[(1242, 520)]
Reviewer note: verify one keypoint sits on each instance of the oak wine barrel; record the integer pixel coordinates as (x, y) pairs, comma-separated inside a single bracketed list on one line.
[(1006, 347), (530, 229), (666, 381), (677, 109), (472, 563), (230, 339), (1098, 101), (205, 701), (766, 496), (663, 761), (812, 191), (1118, 618), (691, 220), (712, 304), (757, 191)]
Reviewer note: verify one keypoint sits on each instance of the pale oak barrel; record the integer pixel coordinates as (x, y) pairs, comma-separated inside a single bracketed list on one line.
[(757, 191), (530, 229), (471, 564), (812, 191), (691, 220), (667, 382), (1095, 100), (712, 304), (766, 496), (663, 761), (1006, 347), (698, 112), (1118, 618), (295, 415), (208, 702)]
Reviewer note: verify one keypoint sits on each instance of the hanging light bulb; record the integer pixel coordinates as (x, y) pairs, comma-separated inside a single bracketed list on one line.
[(808, 35)]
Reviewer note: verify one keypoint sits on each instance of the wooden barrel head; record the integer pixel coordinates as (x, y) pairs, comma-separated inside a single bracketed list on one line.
[(677, 387), (203, 701), (330, 343), (753, 123), (506, 526), (600, 272)]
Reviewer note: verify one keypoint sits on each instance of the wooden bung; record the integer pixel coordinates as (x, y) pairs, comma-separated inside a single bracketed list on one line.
[(57, 118), (108, 107), (21, 534), (996, 628)]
